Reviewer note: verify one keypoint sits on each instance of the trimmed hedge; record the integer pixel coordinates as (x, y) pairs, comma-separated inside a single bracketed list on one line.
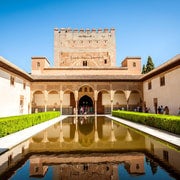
[(165, 122), (12, 124)]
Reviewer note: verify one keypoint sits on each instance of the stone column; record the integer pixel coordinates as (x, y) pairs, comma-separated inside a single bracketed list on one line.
[(61, 93), (30, 104), (112, 99), (127, 95), (76, 100), (45, 100)]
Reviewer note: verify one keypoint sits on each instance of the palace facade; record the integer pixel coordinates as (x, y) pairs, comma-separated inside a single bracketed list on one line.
[(86, 80)]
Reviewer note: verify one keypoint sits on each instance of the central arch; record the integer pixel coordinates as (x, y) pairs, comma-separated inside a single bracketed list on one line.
[(85, 105)]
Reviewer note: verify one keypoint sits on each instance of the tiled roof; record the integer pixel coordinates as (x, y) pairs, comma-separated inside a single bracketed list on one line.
[(13, 68)]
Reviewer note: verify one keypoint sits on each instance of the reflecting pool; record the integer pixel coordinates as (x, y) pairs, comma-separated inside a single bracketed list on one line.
[(91, 147)]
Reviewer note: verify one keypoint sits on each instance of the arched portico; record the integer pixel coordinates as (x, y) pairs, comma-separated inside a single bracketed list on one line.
[(101, 98), (53, 100), (135, 101), (119, 100), (85, 105), (104, 102), (68, 102), (38, 102)]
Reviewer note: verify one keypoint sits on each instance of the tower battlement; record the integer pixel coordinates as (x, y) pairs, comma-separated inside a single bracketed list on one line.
[(69, 30)]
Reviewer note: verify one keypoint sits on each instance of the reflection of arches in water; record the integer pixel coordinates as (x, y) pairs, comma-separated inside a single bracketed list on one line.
[(86, 131), (85, 105), (85, 125)]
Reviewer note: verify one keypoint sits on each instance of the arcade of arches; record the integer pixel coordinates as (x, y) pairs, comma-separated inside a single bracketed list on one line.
[(85, 98)]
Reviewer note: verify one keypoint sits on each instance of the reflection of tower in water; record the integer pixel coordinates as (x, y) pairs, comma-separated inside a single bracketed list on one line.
[(82, 166)]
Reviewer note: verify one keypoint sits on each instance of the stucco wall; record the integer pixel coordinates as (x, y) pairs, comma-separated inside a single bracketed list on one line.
[(12, 94), (167, 95)]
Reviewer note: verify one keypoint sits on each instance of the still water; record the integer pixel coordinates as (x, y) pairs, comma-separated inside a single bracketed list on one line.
[(92, 148)]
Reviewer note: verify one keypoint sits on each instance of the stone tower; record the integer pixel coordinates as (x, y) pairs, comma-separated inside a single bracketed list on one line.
[(84, 48)]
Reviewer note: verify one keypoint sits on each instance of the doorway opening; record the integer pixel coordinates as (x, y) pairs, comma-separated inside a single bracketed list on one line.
[(86, 105)]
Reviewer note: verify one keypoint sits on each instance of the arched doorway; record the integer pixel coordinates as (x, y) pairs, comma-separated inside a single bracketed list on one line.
[(85, 105)]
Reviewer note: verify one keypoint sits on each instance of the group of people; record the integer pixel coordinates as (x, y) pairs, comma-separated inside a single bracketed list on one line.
[(163, 110), (86, 110)]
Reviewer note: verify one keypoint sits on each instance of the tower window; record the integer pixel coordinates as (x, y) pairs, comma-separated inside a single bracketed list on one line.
[(134, 64), (84, 63), (105, 61), (38, 64)]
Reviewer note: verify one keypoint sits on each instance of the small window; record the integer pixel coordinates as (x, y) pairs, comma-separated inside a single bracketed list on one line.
[(12, 81), (85, 89), (149, 85), (21, 102), (162, 81), (24, 85), (134, 64), (38, 64), (84, 63), (105, 61), (36, 169)]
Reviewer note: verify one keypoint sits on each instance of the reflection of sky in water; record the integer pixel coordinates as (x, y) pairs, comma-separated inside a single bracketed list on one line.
[(158, 175), (23, 173)]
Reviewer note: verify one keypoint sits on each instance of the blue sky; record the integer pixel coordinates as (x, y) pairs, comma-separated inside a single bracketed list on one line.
[(143, 27)]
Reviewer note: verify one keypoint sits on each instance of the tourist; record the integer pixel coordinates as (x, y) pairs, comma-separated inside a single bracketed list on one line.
[(166, 110), (162, 110), (147, 110), (179, 112), (159, 109)]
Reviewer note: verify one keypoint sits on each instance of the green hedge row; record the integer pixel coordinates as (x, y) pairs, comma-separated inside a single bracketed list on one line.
[(11, 124), (165, 122)]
